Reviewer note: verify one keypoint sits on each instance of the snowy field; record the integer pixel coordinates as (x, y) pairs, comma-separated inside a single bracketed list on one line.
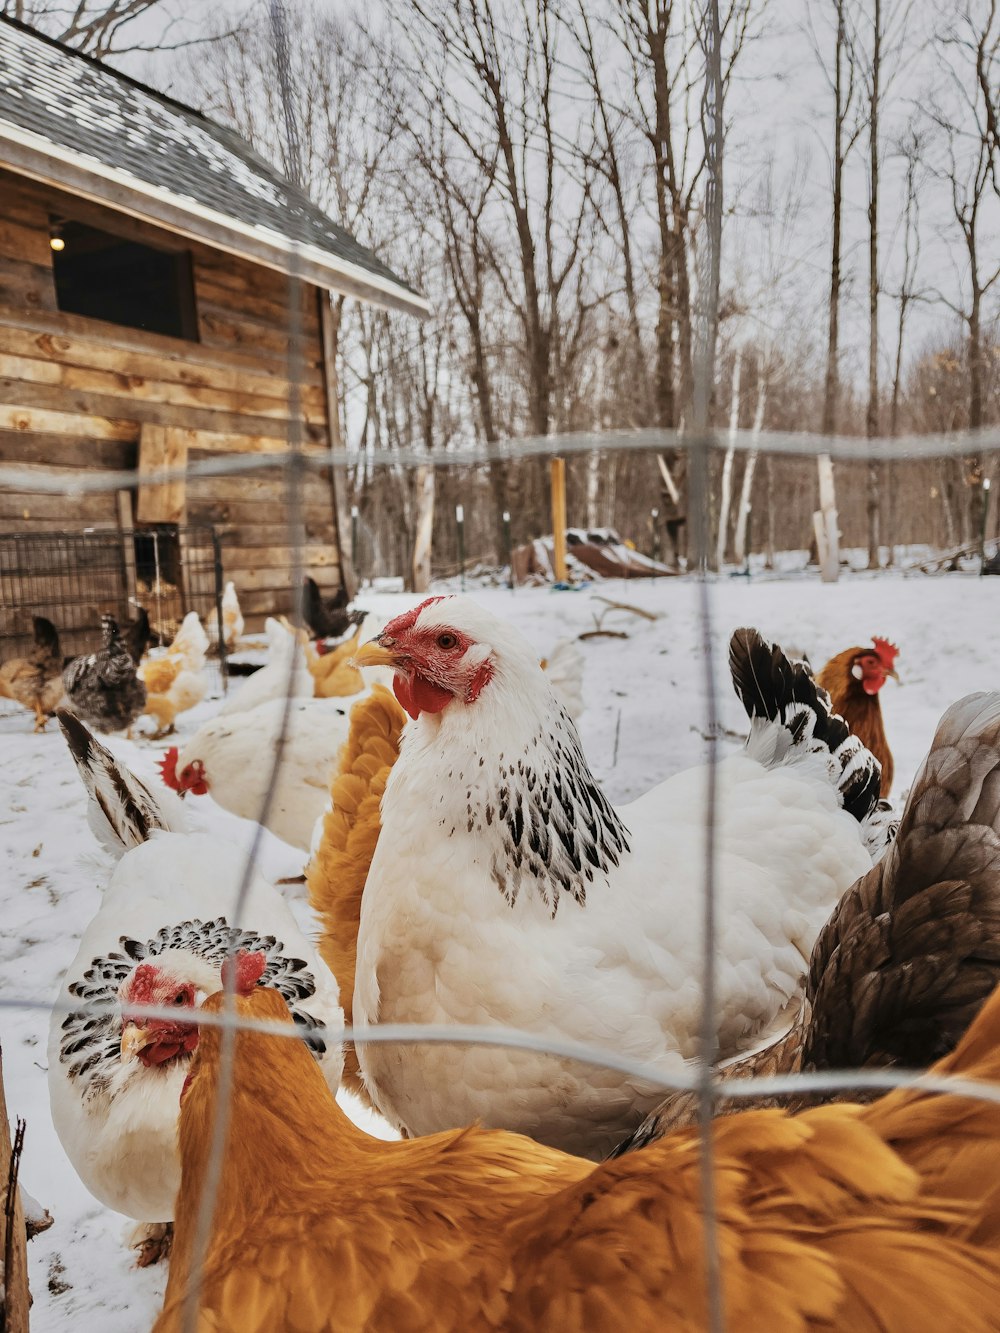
[(646, 717)]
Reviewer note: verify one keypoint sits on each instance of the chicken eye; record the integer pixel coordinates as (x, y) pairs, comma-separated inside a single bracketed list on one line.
[(180, 997), (446, 640)]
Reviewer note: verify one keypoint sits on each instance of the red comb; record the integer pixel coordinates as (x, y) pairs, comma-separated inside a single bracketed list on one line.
[(409, 618), (249, 968), (885, 651), (168, 769)]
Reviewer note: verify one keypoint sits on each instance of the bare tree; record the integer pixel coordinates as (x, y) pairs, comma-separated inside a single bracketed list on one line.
[(101, 28), (610, 128), (911, 147), (505, 119), (874, 148), (970, 44), (842, 84)]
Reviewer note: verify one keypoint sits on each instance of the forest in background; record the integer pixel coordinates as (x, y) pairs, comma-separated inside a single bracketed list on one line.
[(537, 169)]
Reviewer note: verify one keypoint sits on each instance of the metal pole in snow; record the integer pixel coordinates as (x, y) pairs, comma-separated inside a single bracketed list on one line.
[(354, 539), (508, 549), (460, 529), (986, 514), (654, 515), (748, 538)]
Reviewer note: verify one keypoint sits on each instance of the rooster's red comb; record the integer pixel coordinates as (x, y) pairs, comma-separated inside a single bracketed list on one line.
[(886, 652), (168, 769), (407, 619), (244, 971)]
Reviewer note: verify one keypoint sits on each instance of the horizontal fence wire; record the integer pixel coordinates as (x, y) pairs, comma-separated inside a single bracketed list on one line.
[(787, 444), (516, 1039)]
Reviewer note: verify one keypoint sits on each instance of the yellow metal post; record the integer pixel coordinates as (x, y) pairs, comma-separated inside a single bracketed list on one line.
[(558, 471)]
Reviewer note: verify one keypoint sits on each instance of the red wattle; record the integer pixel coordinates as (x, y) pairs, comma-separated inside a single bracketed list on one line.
[(419, 695), (172, 1045)]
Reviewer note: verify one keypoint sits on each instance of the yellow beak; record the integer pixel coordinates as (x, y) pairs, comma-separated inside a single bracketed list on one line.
[(372, 654), (134, 1038)]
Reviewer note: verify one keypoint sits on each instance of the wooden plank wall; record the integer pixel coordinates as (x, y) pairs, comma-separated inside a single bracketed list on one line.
[(75, 394)]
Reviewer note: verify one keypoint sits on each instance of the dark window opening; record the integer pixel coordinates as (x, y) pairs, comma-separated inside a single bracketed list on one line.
[(157, 560), (104, 276)]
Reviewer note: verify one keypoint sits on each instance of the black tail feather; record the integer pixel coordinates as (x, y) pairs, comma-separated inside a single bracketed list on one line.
[(772, 688), (125, 802)]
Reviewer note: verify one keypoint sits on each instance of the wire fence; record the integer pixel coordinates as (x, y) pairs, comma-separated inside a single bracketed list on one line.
[(702, 1076), (62, 562), (72, 578)]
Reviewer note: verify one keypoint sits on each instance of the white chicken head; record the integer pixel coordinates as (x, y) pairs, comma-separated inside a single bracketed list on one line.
[(176, 980), (448, 649)]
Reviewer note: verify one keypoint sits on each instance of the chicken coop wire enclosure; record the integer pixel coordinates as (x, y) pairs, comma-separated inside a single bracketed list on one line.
[(72, 578)]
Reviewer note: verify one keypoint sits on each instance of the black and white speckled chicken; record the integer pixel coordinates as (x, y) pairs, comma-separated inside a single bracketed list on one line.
[(103, 688)]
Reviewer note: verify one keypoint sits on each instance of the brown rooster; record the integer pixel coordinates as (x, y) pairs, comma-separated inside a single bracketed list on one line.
[(853, 679), (843, 1217), (913, 950), (36, 680)]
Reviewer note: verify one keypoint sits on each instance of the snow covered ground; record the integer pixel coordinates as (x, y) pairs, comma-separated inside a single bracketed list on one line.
[(646, 717)]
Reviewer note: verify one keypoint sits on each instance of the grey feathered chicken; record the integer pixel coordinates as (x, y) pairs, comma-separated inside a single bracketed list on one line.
[(102, 687), (912, 951)]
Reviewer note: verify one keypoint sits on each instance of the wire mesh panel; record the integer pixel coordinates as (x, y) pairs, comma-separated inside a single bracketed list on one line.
[(73, 578)]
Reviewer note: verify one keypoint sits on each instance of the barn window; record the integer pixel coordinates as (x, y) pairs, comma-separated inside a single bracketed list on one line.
[(104, 276), (157, 560)]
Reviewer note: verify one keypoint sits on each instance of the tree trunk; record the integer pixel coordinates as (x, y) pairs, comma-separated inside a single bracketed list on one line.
[(825, 523), (14, 1267), (421, 564), (593, 489), (769, 514), (831, 387), (746, 492), (725, 489), (871, 417)]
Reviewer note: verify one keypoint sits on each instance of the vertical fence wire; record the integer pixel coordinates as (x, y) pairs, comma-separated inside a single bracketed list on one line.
[(699, 506)]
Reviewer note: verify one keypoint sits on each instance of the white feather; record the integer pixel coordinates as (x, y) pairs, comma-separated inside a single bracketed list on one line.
[(286, 672)]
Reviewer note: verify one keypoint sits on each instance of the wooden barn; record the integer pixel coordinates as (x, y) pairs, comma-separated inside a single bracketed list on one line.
[(145, 318)]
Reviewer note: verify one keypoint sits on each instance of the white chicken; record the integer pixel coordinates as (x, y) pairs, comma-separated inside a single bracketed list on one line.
[(176, 679), (287, 672), (505, 889), (159, 937), (232, 619), (231, 756)]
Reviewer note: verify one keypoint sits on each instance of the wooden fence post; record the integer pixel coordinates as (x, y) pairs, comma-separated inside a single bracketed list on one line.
[(421, 562), (17, 1300), (558, 473), (825, 523)]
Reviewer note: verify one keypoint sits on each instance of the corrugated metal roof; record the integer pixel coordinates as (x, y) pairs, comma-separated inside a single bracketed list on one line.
[(71, 111)]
